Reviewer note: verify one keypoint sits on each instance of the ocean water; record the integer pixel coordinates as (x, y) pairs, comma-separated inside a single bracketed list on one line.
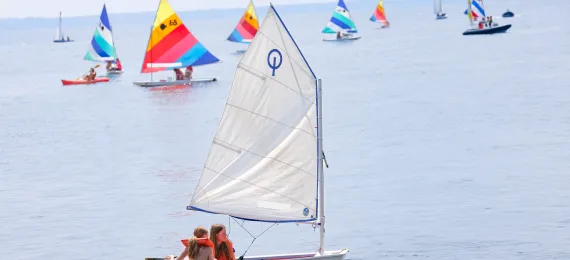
[(440, 146)]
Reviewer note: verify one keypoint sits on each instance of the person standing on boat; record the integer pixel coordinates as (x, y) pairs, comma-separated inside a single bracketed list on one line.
[(223, 247), (188, 73)]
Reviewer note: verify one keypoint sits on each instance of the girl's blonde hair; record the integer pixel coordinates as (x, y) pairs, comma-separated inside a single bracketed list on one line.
[(193, 247)]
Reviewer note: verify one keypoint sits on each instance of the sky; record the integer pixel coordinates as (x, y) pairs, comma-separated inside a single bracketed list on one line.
[(72, 8)]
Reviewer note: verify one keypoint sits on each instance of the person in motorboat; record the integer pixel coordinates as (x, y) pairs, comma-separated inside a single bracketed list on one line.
[(490, 21), (178, 74), (223, 247), (188, 72), (199, 247), (90, 75)]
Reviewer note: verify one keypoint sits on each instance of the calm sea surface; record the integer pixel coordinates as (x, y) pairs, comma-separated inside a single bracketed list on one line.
[(440, 146)]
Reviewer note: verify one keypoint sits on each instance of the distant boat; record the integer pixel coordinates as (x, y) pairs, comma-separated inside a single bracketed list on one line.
[(59, 36), (508, 14), (102, 47), (481, 27), (247, 26), (341, 25), (172, 46), (379, 15), (438, 10)]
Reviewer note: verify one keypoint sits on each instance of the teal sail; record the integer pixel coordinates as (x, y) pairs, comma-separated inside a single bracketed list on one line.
[(102, 47), (340, 20)]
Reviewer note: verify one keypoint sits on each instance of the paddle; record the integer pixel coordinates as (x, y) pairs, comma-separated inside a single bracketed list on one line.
[(96, 66)]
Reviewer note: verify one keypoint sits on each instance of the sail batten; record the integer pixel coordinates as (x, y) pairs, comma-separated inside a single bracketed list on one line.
[(262, 162), (340, 20), (170, 42)]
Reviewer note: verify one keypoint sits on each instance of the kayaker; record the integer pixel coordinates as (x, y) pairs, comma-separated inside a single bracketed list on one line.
[(90, 75), (178, 74), (188, 72)]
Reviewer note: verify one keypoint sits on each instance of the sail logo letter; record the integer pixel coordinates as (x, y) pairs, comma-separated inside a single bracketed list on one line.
[(274, 63)]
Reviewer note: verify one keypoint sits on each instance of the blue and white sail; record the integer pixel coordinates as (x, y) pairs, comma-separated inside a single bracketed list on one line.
[(477, 9), (262, 164), (340, 20), (102, 47)]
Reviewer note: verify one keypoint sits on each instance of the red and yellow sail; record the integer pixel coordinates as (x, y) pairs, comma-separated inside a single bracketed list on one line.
[(171, 45), (379, 16)]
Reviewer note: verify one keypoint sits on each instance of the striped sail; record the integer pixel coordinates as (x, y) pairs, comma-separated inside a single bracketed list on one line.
[(379, 15), (171, 45), (102, 47), (340, 20), (247, 27), (477, 10)]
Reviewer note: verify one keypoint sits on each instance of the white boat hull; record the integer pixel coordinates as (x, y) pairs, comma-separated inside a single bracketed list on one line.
[(173, 82), (329, 255), (343, 39)]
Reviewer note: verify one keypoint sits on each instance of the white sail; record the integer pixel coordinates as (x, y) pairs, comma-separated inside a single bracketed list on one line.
[(437, 8), (262, 163)]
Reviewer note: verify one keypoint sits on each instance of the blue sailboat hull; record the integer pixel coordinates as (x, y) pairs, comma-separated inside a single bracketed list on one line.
[(498, 29), (62, 41)]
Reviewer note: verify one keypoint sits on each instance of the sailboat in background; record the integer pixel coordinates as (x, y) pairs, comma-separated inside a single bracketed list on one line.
[(438, 10), (475, 9), (172, 46), (266, 160), (379, 15), (341, 24), (247, 26), (102, 47), (59, 36)]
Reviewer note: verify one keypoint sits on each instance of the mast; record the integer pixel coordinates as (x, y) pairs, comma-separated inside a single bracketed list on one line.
[(469, 12), (320, 174), (59, 27)]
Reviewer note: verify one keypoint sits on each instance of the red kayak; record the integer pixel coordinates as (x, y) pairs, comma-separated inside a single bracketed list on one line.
[(82, 81)]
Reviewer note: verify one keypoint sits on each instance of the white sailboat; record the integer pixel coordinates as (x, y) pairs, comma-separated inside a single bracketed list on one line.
[(266, 160), (438, 10), (59, 36)]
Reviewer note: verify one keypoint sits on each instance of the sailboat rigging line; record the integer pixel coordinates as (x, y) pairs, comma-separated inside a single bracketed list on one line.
[(254, 237)]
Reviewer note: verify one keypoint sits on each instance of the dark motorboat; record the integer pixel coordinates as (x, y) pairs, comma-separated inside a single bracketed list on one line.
[(508, 14)]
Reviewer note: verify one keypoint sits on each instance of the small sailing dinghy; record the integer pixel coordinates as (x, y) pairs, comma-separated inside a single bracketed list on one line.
[(341, 25), (475, 9), (266, 160), (59, 36), (438, 10), (172, 46), (247, 26), (102, 46), (379, 15)]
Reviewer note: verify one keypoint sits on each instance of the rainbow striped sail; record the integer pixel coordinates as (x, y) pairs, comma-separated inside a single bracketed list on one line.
[(477, 10), (379, 15), (340, 20), (102, 47), (171, 45), (247, 27)]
